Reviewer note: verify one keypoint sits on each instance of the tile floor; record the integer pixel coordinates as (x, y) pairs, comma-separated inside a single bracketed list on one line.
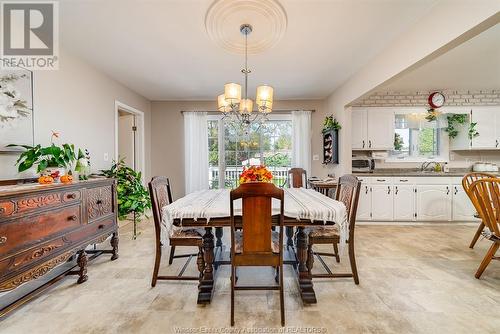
[(413, 279)]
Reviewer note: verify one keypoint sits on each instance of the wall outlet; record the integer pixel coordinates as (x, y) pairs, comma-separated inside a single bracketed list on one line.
[(315, 157), (106, 157)]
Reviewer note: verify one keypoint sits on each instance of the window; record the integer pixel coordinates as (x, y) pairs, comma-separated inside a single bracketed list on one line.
[(415, 138), (271, 145)]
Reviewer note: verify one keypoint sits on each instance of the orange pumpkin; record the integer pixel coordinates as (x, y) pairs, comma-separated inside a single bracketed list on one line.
[(45, 179), (66, 178)]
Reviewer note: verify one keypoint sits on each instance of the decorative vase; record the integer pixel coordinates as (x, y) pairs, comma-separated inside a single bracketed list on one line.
[(54, 172)]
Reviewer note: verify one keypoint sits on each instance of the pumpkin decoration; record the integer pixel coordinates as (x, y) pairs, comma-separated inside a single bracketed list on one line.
[(45, 179), (66, 178)]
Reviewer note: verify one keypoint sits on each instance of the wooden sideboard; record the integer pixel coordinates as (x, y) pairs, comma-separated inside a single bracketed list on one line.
[(43, 226)]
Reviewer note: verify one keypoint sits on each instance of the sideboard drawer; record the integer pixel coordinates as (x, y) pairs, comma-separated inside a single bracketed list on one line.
[(99, 202), (19, 206), (25, 231)]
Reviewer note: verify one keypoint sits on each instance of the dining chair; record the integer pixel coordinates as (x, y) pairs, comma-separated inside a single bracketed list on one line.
[(161, 195), (298, 178), (348, 193), (487, 194), (467, 180), (255, 244)]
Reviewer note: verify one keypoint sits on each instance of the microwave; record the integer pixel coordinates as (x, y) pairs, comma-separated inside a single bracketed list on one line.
[(363, 165)]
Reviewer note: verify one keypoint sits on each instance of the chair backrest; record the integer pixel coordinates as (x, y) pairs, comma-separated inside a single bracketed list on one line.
[(348, 189), (486, 192), (161, 195), (256, 217), (298, 179), (467, 181)]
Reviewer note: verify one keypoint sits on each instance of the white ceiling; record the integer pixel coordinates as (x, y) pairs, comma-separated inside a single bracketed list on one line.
[(160, 48), (472, 65)]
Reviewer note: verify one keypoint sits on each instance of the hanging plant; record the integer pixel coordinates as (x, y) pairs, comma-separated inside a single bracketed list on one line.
[(454, 119), (432, 114), (331, 123), (472, 130)]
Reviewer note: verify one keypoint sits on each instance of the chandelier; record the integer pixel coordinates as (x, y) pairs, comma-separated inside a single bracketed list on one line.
[(238, 111)]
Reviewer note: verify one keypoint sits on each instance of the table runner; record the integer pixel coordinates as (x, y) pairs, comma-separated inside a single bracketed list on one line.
[(300, 203)]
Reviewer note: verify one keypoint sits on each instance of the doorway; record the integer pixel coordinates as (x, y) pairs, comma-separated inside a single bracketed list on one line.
[(129, 136)]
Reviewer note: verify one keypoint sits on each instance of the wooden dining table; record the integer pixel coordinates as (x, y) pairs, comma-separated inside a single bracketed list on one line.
[(190, 212)]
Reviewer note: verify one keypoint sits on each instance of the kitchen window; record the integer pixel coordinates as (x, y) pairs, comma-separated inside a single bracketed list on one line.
[(416, 139), (270, 145)]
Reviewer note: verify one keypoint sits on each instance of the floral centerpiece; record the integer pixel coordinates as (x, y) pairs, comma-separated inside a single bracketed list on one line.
[(255, 174)]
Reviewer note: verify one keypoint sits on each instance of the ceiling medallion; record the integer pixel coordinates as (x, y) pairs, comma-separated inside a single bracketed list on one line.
[(268, 15)]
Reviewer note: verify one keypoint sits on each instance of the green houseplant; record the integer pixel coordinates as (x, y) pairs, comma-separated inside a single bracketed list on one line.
[(133, 198), (331, 123)]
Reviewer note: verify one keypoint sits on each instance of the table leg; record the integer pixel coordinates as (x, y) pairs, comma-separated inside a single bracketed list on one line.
[(219, 232), (206, 285), (305, 280), (289, 236)]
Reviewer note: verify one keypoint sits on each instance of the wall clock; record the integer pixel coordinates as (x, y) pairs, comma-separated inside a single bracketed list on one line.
[(436, 100)]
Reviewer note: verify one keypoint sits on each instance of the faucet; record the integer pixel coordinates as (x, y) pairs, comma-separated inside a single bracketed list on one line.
[(426, 165)]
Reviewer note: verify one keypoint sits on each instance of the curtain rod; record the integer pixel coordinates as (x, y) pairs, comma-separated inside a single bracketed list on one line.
[(279, 111)]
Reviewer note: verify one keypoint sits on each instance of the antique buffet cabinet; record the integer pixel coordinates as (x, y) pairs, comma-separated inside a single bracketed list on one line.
[(45, 226)]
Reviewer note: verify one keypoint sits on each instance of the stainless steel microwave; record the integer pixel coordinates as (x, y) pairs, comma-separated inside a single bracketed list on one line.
[(363, 165)]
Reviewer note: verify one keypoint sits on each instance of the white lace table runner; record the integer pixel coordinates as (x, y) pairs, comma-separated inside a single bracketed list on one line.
[(300, 203)]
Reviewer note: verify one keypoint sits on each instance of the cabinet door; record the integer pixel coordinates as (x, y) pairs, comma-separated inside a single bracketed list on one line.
[(381, 129), (382, 202), (404, 202), (364, 203), (358, 129), (486, 119), (433, 202), (463, 210)]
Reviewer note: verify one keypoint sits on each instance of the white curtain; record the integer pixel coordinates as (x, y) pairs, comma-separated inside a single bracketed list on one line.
[(301, 140), (195, 151)]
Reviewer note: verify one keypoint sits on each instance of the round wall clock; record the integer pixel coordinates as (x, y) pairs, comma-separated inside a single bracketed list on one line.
[(436, 100)]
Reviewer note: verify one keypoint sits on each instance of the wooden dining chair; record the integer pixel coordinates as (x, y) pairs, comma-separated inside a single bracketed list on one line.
[(348, 193), (487, 194), (467, 180), (297, 178), (161, 195), (255, 244)]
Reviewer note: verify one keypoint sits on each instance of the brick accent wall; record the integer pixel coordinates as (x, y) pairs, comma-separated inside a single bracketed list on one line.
[(419, 99)]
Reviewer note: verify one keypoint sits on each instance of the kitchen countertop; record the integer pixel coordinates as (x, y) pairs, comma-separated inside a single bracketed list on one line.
[(417, 173)]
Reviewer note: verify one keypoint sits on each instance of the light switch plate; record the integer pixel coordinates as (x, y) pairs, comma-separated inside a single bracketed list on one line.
[(315, 157)]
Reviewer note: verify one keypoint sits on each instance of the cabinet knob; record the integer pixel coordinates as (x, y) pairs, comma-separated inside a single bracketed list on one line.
[(388, 189), (100, 227), (98, 202), (3, 239), (381, 180), (73, 218), (363, 144), (370, 143), (396, 191), (72, 196), (496, 143), (447, 190)]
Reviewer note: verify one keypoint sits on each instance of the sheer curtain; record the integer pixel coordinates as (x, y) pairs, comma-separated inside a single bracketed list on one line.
[(301, 140), (195, 151)]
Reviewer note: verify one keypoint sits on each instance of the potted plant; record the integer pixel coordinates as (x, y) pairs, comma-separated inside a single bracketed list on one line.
[(331, 123), (133, 198), (51, 161)]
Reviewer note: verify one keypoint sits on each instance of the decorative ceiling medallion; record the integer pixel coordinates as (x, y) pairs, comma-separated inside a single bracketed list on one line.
[(268, 16)]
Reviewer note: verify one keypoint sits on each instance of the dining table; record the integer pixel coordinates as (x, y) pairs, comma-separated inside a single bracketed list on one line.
[(209, 209)]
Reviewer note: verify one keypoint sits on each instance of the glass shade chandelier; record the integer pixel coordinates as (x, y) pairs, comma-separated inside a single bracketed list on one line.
[(239, 111)]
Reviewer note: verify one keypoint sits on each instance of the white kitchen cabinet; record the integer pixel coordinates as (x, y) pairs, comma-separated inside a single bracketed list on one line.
[(364, 203), (380, 129), (488, 127), (404, 202), (382, 202), (358, 129), (434, 202), (372, 129), (463, 210)]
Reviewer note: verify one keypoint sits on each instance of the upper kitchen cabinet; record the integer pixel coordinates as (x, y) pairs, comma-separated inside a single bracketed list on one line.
[(487, 121), (372, 129)]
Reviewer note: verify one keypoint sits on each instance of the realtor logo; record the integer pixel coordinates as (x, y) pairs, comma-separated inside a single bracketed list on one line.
[(29, 35)]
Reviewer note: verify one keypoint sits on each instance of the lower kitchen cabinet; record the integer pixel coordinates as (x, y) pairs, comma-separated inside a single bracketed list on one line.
[(364, 203), (463, 210), (404, 202), (434, 202), (382, 206)]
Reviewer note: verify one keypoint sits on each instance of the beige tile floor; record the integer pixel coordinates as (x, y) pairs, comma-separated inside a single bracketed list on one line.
[(414, 279)]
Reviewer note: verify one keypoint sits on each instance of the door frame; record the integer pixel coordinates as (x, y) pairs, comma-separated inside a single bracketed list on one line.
[(140, 157)]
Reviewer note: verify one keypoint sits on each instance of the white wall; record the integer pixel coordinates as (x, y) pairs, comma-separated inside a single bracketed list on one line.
[(78, 101), (449, 24)]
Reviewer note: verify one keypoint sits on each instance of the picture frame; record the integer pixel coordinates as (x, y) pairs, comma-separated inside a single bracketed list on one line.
[(16, 109)]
